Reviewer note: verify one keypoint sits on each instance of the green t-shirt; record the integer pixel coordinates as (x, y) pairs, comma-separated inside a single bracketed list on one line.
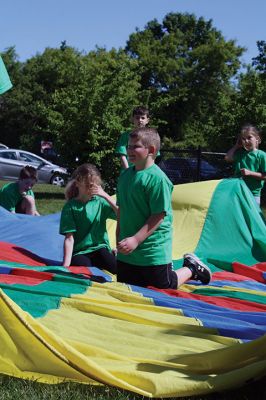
[(121, 147), (10, 196), (141, 194), (5, 82), (87, 221), (254, 161)]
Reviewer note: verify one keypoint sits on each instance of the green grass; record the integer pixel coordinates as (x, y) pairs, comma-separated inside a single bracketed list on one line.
[(14, 389), (50, 199)]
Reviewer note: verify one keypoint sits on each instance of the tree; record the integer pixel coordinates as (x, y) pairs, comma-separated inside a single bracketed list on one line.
[(184, 62), (259, 62)]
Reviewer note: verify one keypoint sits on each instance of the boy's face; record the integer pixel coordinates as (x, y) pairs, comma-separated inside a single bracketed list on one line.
[(249, 141), (140, 120), (26, 184), (137, 152)]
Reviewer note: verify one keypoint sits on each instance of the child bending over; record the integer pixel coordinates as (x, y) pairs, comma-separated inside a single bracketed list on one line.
[(18, 197)]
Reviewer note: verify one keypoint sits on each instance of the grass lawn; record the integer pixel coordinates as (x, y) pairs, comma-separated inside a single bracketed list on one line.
[(50, 199)]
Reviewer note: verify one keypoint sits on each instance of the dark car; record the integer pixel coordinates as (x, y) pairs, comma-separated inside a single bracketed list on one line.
[(184, 170)]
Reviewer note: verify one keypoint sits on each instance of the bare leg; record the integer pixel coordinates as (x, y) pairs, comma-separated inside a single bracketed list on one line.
[(183, 275), (28, 206)]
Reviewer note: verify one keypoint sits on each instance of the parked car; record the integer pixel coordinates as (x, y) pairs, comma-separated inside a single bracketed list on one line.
[(184, 170), (12, 160), (3, 146)]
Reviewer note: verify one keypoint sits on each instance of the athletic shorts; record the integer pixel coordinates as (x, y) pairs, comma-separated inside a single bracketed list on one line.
[(159, 276)]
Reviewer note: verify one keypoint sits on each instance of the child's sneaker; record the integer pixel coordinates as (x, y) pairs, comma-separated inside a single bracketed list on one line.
[(200, 271)]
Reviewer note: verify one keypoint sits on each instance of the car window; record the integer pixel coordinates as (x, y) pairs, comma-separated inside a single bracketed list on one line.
[(176, 163), (29, 158), (10, 155)]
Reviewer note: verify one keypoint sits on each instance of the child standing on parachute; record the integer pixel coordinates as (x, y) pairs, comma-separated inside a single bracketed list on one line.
[(249, 161), (83, 221), (144, 228)]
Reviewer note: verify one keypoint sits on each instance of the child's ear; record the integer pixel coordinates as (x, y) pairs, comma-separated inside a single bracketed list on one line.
[(259, 140), (152, 150)]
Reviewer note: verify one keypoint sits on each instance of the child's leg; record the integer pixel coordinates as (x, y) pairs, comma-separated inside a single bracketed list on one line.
[(184, 274), (104, 259), (81, 260), (193, 268), (27, 205), (159, 276)]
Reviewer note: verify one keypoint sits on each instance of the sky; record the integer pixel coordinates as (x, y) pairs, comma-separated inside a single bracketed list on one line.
[(33, 25)]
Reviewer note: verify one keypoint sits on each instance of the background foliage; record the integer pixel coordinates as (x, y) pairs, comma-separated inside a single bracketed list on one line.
[(183, 69)]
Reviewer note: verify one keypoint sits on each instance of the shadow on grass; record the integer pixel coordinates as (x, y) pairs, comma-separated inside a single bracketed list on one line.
[(47, 195)]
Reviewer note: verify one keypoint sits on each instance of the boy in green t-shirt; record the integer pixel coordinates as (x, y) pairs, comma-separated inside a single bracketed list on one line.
[(140, 118), (249, 161), (18, 197), (144, 227)]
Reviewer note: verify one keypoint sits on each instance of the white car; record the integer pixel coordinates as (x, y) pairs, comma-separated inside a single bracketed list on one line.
[(13, 160)]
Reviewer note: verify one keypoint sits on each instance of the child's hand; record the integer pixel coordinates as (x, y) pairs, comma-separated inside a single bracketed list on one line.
[(245, 172), (239, 143), (127, 245), (96, 190)]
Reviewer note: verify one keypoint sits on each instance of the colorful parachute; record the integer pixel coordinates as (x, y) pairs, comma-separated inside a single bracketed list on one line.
[(77, 325)]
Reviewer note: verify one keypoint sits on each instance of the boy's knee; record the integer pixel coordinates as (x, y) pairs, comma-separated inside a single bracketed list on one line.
[(28, 205)]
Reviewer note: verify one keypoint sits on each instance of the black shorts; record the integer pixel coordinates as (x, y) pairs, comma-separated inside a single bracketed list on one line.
[(159, 276), (101, 258)]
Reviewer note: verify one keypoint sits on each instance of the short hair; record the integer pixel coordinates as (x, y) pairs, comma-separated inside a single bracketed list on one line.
[(248, 128), (147, 136), (28, 172), (141, 110), (87, 173)]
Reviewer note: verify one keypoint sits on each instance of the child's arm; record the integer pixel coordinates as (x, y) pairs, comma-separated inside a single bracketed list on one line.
[(96, 190), (124, 162), (229, 157), (117, 231), (129, 244), (260, 176), (68, 249)]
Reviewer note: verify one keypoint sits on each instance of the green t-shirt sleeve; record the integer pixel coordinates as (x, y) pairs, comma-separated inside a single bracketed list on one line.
[(67, 222), (30, 193), (9, 201), (263, 162), (108, 210), (160, 196), (10, 196), (121, 147)]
